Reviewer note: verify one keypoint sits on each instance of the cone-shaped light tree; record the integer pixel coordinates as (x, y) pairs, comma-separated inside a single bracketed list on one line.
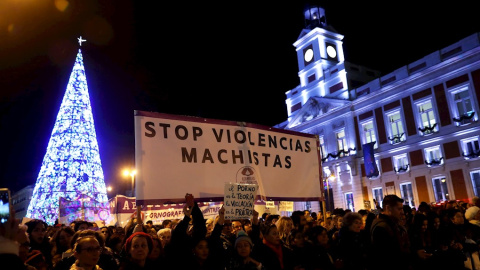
[(71, 167)]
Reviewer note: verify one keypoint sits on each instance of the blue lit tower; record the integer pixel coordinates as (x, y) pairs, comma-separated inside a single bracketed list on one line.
[(71, 167)]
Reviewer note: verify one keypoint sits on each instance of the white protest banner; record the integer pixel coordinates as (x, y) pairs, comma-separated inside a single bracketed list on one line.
[(239, 200), (175, 155)]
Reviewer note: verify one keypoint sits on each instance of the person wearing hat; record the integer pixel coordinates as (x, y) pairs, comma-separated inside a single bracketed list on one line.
[(472, 214), (241, 258), (137, 248)]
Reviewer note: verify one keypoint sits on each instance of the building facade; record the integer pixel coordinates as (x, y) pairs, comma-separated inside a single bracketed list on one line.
[(21, 200), (416, 129)]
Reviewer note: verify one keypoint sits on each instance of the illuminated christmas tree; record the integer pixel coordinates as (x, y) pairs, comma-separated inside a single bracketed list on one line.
[(71, 167)]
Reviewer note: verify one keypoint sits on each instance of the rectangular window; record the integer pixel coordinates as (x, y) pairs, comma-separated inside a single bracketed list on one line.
[(369, 133), (396, 128), (401, 163), (464, 106), (341, 143), (475, 176), (378, 195), (471, 147), (440, 189), (463, 102), (428, 123), (349, 201), (407, 194), (433, 156)]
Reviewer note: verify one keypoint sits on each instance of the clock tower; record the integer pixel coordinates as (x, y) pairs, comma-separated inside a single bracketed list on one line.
[(320, 61)]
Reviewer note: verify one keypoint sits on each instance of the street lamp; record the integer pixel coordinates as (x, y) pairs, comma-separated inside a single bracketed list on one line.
[(131, 173)]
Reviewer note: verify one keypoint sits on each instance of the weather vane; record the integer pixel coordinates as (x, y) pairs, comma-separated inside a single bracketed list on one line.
[(80, 40)]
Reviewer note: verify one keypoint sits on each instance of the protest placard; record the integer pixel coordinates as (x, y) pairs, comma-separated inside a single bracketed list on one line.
[(239, 200)]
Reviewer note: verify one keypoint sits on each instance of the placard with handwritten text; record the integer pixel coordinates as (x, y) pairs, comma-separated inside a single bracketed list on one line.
[(239, 200)]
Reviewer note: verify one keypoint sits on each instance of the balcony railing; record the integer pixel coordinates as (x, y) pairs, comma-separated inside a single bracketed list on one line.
[(464, 119), (434, 162), (473, 154), (396, 139), (339, 154), (401, 169), (427, 130)]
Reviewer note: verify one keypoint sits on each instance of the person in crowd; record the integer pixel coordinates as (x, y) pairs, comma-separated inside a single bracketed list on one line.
[(386, 246), (167, 223), (408, 213), (472, 214), (81, 225), (107, 260), (157, 255), (61, 242), (365, 232), (37, 230), (351, 248), (363, 213), (284, 225), (337, 224), (195, 250), (107, 233), (150, 228), (210, 224), (87, 251), (421, 244), (247, 225), (270, 251), (115, 245), (227, 237), (272, 218), (299, 220), (299, 246), (165, 235), (237, 226), (241, 259), (10, 235), (23, 241), (328, 224), (137, 248), (319, 252)]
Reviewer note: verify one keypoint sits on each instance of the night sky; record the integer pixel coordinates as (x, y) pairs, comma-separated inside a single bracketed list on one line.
[(233, 62)]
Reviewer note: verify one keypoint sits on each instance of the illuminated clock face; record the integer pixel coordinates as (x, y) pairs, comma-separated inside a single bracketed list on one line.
[(308, 55), (332, 53)]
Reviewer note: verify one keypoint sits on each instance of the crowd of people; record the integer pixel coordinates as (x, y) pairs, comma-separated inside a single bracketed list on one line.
[(393, 236)]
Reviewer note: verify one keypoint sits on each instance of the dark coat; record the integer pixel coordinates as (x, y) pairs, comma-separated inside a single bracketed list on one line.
[(388, 245), (351, 249)]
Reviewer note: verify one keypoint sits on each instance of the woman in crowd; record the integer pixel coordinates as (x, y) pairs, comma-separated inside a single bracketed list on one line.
[(270, 251), (284, 225), (165, 235), (320, 255), (37, 230), (60, 242), (351, 248), (137, 248), (421, 244), (157, 255)]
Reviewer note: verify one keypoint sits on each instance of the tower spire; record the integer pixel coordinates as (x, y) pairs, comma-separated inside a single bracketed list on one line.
[(71, 167)]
